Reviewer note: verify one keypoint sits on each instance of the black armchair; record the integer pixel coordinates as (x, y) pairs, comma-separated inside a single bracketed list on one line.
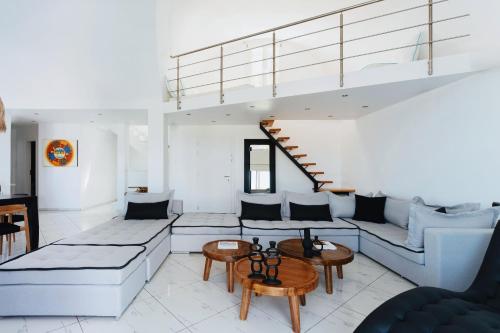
[(434, 310)]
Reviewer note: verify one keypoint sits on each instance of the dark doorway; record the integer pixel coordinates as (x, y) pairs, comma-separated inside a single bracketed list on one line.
[(260, 166), (33, 168)]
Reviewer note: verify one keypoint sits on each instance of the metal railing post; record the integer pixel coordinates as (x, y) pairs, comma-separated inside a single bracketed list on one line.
[(431, 39), (341, 44), (178, 86), (221, 74), (274, 63)]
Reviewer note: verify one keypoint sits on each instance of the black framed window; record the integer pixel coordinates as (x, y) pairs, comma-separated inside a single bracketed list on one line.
[(260, 166)]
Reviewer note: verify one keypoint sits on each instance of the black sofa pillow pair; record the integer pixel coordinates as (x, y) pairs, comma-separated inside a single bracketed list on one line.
[(147, 211), (253, 211), (370, 209)]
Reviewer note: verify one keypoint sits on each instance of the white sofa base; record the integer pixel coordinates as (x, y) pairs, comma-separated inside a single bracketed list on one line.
[(71, 300), (194, 243), (156, 257)]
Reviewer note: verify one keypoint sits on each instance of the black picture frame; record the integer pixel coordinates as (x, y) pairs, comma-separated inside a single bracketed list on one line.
[(272, 163)]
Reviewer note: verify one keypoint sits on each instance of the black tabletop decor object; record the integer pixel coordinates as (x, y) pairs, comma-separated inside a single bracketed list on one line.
[(317, 243), (256, 258), (272, 260), (307, 244)]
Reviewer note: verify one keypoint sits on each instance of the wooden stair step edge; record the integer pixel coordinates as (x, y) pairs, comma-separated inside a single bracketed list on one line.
[(338, 190), (267, 122), (299, 155), (305, 165), (274, 130), (283, 138), (317, 172), (325, 181), (291, 147)]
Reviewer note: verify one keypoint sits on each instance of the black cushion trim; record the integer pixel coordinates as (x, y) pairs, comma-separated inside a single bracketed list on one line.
[(138, 244), (69, 268), (383, 239)]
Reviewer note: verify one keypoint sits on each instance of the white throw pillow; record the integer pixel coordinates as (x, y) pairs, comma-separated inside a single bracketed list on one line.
[(460, 208), (318, 198), (137, 197), (422, 218), (258, 198), (397, 211)]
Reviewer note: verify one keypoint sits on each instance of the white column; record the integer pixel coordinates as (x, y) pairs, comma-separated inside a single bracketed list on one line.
[(5, 157), (156, 150)]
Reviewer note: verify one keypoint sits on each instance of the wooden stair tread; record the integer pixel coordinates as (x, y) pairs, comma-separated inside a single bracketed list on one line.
[(338, 190), (274, 130), (325, 181), (283, 138), (305, 165), (267, 122), (317, 172), (291, 147), (299, 155)]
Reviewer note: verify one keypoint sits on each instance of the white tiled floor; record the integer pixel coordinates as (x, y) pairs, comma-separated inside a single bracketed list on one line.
[(178, 300)]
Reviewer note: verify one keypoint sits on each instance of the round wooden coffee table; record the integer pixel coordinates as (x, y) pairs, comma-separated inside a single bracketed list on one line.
[(341, 256), (212, 252), (297, 277)]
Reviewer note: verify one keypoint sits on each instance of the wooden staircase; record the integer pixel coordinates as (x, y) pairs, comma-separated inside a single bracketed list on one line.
[(267, 127)]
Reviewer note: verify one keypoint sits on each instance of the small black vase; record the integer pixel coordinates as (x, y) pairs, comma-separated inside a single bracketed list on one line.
[(256, 258), (272, 260), (307, 244)]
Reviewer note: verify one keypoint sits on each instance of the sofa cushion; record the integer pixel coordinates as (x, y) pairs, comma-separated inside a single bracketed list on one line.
[(255, 211), (390, 237), (460, 208), (147, 210), (150, 197), (258, 198), (318, 198), (206, 224), (422, 218), (310, 212), (72, 265), (291, 228), (397, 211), (370, 209)]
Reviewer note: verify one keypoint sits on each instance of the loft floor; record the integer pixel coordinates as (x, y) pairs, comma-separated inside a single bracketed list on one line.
[(178, 300)]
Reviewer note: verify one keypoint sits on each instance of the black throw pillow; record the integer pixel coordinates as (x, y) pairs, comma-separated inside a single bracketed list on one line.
[(147, 211), (310, 212), (441, 210), (253, 211), (370, 209)]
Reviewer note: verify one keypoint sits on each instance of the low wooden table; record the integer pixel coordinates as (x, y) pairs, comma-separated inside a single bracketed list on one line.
[(297, 277), (212, 252), (341, 256)]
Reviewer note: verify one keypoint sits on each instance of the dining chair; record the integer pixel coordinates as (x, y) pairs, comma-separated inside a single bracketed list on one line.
[(9, 229)]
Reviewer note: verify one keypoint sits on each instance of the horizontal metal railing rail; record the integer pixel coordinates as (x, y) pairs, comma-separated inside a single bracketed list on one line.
[(341, 44)]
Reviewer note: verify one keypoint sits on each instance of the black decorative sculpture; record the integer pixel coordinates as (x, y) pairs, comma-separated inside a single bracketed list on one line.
[(308, 245), (316, 243), (256, 258), (272, 260)]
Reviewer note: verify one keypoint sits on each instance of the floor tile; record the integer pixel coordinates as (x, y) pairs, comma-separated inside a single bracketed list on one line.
[(368, 300), (392, 283), (75, 328), (45, 324), (341, 321)]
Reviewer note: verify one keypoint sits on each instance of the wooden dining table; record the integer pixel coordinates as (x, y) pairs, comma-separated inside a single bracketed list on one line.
[(31, 203)]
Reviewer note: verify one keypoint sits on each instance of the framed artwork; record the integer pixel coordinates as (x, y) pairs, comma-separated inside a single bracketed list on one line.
[(60, 153)]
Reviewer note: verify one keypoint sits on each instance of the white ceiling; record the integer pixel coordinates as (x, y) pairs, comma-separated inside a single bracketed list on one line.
[(339, 104)]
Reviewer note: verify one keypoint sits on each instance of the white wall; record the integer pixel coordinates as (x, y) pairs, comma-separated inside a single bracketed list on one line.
[(137, 155), (98, 163), (22, 135), (442, 145), (5, 153), (201, 156)]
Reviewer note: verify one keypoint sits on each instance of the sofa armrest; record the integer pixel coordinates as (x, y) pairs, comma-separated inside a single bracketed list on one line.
[(453, 255), (177, 206)]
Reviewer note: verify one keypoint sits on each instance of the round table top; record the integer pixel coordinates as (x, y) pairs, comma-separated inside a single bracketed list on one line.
[(297, 277), (212, 251), (341, 256)]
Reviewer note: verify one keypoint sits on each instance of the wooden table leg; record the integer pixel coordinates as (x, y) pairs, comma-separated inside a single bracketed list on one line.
[(245, 303), (329, 279), (303, 300), (294, 313), (230, 277), (340, 272), (208, 266), (227, 267)]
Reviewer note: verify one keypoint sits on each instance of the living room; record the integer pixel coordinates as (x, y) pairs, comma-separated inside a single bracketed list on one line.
[(141, 138)]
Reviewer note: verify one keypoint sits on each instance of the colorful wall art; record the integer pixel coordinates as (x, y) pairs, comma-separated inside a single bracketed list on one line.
[(61, 153)]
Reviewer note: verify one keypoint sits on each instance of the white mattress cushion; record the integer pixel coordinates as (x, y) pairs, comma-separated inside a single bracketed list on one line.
[(78, 264), (124, 232), (258, 198), (390, 237), (292, 228), (318, 198), (206, 224), (150, 197)]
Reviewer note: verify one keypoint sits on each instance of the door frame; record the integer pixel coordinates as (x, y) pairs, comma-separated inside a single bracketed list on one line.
[(246, 163)]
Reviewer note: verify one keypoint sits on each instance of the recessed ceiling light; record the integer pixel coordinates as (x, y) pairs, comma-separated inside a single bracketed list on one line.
[(252, 106), (271, 116), (307, 109), (188, 114), (36, 113), (365, 106), (92, 121), (213, 121), (345, 95), (33, 121), (99, 114), (228, 114), (330, 116)]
